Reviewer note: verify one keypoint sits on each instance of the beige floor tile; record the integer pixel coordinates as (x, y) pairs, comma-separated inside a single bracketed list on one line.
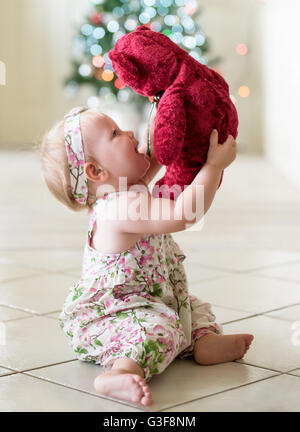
[(247, 292), (291, 313), (195, 381), (208, 238), (34, 342), (4, 371), (242, 259), (194, 272), (272, 237), (40, 239), (23, 393), (7, 313), (275, 394), (272, 346), (192, 379), (237, 236), (40, 294), (54, 315), (224, 315), (267, 186), (77, 374), (51, 260), (290, 272), (75, 272), (10, 270), (295, 372)]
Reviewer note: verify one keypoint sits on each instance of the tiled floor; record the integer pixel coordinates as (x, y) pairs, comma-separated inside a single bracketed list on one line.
[(245, 261)]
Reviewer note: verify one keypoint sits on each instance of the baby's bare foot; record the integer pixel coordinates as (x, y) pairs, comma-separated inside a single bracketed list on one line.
[(213, 348), (125, 386)]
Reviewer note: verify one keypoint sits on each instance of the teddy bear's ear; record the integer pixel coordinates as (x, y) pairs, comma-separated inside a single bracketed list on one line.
[(143, 28), (125, 67)]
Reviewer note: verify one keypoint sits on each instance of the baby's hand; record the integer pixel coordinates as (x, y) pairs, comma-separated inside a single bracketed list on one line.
[(221, 155)]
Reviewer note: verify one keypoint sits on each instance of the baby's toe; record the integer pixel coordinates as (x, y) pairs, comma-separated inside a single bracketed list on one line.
[(146, 393), (139, 380), (249, 339), (146, 400), (137, 394)]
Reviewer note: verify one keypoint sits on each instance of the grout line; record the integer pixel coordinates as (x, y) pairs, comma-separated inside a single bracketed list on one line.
[(269, 267), (8, 367), (211, 278), (84, 391), (260, 367), (248, 271), (32, 312), (5, 280), (9, 371), (52, 248), (280, 308), (277, 278), (51, 317), (55, 311), (229, 308), (259, 313), (17, 319), (282, 264), (223, 391), (29, 311), (240, 319), (287, 373), (201, 266), (39, 367), (292, 370), (40, 272)]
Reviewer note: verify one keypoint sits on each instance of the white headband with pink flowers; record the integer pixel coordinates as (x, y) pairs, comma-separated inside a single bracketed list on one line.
[(76, 160)]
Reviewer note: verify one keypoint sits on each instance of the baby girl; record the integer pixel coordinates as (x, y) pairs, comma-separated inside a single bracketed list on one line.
[(131, 311)]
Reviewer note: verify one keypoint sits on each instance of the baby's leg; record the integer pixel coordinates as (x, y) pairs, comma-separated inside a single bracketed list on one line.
[(146, 343), (211, 346), (124, 381), (215, 348)]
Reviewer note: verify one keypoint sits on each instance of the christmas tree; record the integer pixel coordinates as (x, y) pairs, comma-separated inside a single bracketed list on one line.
[(107, 21)]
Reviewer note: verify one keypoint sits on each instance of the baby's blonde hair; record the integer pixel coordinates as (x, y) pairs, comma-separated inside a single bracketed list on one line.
[(54, 162)]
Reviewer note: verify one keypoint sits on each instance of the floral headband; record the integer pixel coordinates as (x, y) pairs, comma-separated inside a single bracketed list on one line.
[(75, 153)]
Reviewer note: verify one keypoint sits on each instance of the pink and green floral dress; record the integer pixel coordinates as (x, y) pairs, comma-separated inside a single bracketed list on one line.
[(134, 304)]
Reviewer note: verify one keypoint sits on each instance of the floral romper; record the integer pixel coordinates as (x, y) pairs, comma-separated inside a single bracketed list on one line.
[(134, 304)]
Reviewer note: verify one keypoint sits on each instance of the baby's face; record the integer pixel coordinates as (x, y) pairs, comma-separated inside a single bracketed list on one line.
[(116, 150)]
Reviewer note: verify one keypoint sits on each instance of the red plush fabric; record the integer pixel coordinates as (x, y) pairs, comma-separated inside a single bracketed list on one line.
[(195, 101)]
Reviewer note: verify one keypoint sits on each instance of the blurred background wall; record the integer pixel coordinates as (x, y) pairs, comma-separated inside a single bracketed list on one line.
[(36, 38), (280, 71)]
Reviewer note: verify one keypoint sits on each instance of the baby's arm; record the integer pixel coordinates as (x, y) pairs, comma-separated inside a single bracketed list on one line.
[(146, 214)]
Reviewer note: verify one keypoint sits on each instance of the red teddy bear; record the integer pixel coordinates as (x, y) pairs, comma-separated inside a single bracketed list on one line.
[(193, 100)]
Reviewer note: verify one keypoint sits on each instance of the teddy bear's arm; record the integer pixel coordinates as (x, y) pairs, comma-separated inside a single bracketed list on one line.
[(170, 126)]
